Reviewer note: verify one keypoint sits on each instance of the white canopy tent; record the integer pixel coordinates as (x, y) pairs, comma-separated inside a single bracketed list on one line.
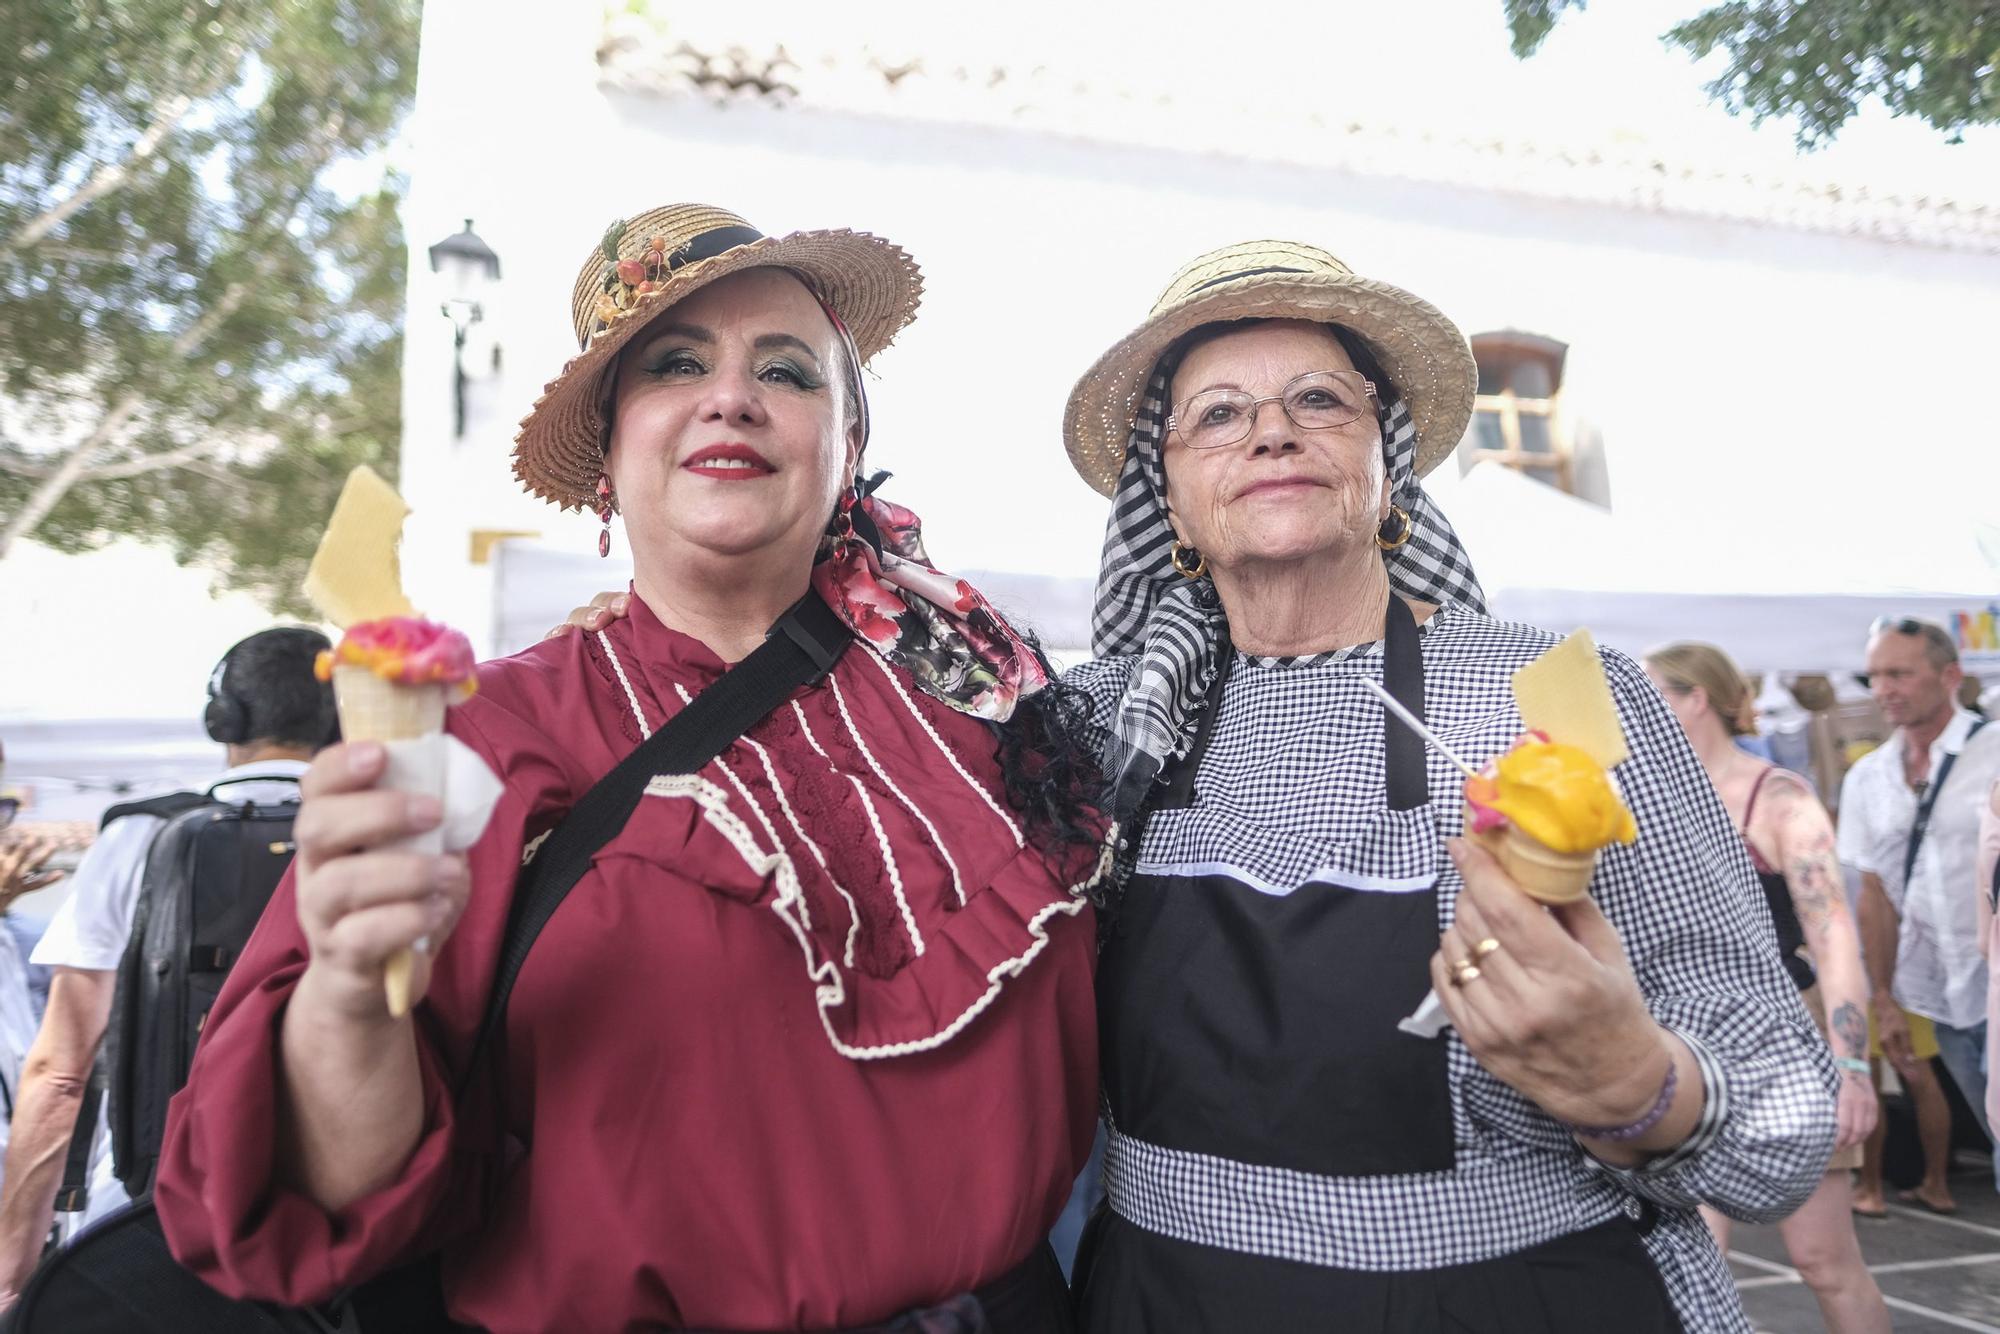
[(1551, 560), (535, 586), (1544, 557)]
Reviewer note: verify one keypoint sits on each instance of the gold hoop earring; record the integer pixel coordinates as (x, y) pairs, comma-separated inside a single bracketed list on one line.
[(1179, 555), (1396, 512)]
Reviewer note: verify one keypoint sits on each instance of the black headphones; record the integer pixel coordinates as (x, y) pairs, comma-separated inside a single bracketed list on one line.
[(228, 722), (227, 716)]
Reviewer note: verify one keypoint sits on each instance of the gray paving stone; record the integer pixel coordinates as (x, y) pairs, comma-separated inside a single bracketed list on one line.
[(1970, 1293)]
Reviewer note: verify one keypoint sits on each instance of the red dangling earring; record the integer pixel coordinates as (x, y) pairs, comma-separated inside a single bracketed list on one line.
[(604, 514), (843, 524)]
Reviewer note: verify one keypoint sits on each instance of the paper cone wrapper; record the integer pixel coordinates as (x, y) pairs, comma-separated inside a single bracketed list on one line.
[(372, 709)]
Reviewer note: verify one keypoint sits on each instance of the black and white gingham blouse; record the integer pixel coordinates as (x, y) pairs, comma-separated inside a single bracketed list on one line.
[(1298, 748)]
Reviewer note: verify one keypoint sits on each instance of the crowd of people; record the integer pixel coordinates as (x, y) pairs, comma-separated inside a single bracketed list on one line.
[(821, 1036)]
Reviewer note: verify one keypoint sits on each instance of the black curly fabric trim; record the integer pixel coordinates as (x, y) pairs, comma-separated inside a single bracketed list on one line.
[(1048, 765)]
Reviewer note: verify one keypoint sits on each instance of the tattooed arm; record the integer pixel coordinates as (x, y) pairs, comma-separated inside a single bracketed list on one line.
[(1793, 822)]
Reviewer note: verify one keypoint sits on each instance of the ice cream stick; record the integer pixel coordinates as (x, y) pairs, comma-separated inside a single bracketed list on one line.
[(1415, 724)]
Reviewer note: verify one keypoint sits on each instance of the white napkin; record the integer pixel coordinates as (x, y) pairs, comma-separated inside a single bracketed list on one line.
[(451, 771), (1429, 1020)]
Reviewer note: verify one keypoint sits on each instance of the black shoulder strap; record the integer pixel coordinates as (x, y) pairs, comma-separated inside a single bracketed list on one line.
[(1405, 777), (166, 806), (802, 647), (74, 1192), (1921, 825)]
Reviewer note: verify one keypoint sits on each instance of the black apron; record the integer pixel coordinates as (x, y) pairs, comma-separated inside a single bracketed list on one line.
[(1261, 1028)]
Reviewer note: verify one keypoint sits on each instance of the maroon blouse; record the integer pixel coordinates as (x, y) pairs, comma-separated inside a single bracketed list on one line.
[(812, 1043)]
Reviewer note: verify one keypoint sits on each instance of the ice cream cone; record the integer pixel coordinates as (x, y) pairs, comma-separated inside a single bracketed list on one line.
[(374, 709), (1545, 875)]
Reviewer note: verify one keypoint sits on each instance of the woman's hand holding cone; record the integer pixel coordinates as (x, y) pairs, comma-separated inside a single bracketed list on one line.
[(360, 901), (1554, 1009)]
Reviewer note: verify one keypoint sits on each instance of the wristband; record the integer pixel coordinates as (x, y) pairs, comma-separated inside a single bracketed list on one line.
[(1634, 1129), (1854, 1065)]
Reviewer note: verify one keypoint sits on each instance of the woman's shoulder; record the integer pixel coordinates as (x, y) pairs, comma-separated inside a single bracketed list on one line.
[(1458, 635), (1102, 682), (520, 681), (1102, 678), (1783, 795), (522, 697)]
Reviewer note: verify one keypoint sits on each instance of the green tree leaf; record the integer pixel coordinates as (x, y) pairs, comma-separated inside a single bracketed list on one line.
[(199, 333), (1816, 63)]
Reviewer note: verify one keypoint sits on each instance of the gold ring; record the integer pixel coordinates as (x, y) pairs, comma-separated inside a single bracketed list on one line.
[(1463, 971), (1485, 947)]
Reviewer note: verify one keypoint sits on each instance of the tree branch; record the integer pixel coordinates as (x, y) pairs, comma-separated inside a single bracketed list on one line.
[(133, 467), (75, 467), (110, 176), (80, 456), (66, 474)]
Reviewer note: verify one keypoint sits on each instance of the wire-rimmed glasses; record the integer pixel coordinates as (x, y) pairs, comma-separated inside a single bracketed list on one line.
[(1315, 401)]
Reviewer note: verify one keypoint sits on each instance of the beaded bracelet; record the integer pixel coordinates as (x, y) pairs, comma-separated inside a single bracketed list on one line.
[(1634, 1129)]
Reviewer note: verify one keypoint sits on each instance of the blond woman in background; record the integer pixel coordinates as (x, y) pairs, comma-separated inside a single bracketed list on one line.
[(1790, 841)]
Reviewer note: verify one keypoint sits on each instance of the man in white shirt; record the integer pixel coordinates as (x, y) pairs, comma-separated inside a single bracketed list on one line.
[(1914, 803), (271, 713)]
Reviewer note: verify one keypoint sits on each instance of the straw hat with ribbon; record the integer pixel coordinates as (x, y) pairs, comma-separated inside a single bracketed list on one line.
[(1422, 352), (645, 264), (1116, 425)]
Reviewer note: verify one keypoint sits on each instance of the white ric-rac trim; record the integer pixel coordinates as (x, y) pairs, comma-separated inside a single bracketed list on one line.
[(631, 696), (792, 819), (938, 741), (889, 861), (1370, 884), (770, 830), (937, 840), (806, 728), (830, 986)]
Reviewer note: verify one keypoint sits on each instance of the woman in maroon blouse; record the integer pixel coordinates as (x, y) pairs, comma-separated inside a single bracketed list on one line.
[(812, 1045)]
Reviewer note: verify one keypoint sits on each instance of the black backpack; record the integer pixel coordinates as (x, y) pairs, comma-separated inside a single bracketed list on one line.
[(208, 875)]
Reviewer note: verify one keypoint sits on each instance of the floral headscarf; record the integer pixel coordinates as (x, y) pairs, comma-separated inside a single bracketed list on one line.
[(878, 580)]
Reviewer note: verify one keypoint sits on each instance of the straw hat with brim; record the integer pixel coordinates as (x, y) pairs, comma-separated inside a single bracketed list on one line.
[(645, 264), (1421, 351)]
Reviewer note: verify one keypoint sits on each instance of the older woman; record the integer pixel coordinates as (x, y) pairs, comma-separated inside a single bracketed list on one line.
[(811, 1044), (1790, 841), (1282, 1155)]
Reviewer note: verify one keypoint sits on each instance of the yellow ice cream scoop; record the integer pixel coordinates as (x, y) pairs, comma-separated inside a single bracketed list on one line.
[(1556, 794)]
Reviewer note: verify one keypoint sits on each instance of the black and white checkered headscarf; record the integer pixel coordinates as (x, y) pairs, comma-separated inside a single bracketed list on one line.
[(1176, 625)]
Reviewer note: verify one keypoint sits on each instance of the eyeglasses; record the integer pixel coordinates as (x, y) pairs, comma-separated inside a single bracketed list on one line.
[(1316, 401)]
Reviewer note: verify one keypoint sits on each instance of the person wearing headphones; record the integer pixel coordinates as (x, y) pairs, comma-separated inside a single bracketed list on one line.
[(270, 713)]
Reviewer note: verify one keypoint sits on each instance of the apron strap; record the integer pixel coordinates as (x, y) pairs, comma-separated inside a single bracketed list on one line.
[(1403, 677), (1180, 791), (1403, 750)]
